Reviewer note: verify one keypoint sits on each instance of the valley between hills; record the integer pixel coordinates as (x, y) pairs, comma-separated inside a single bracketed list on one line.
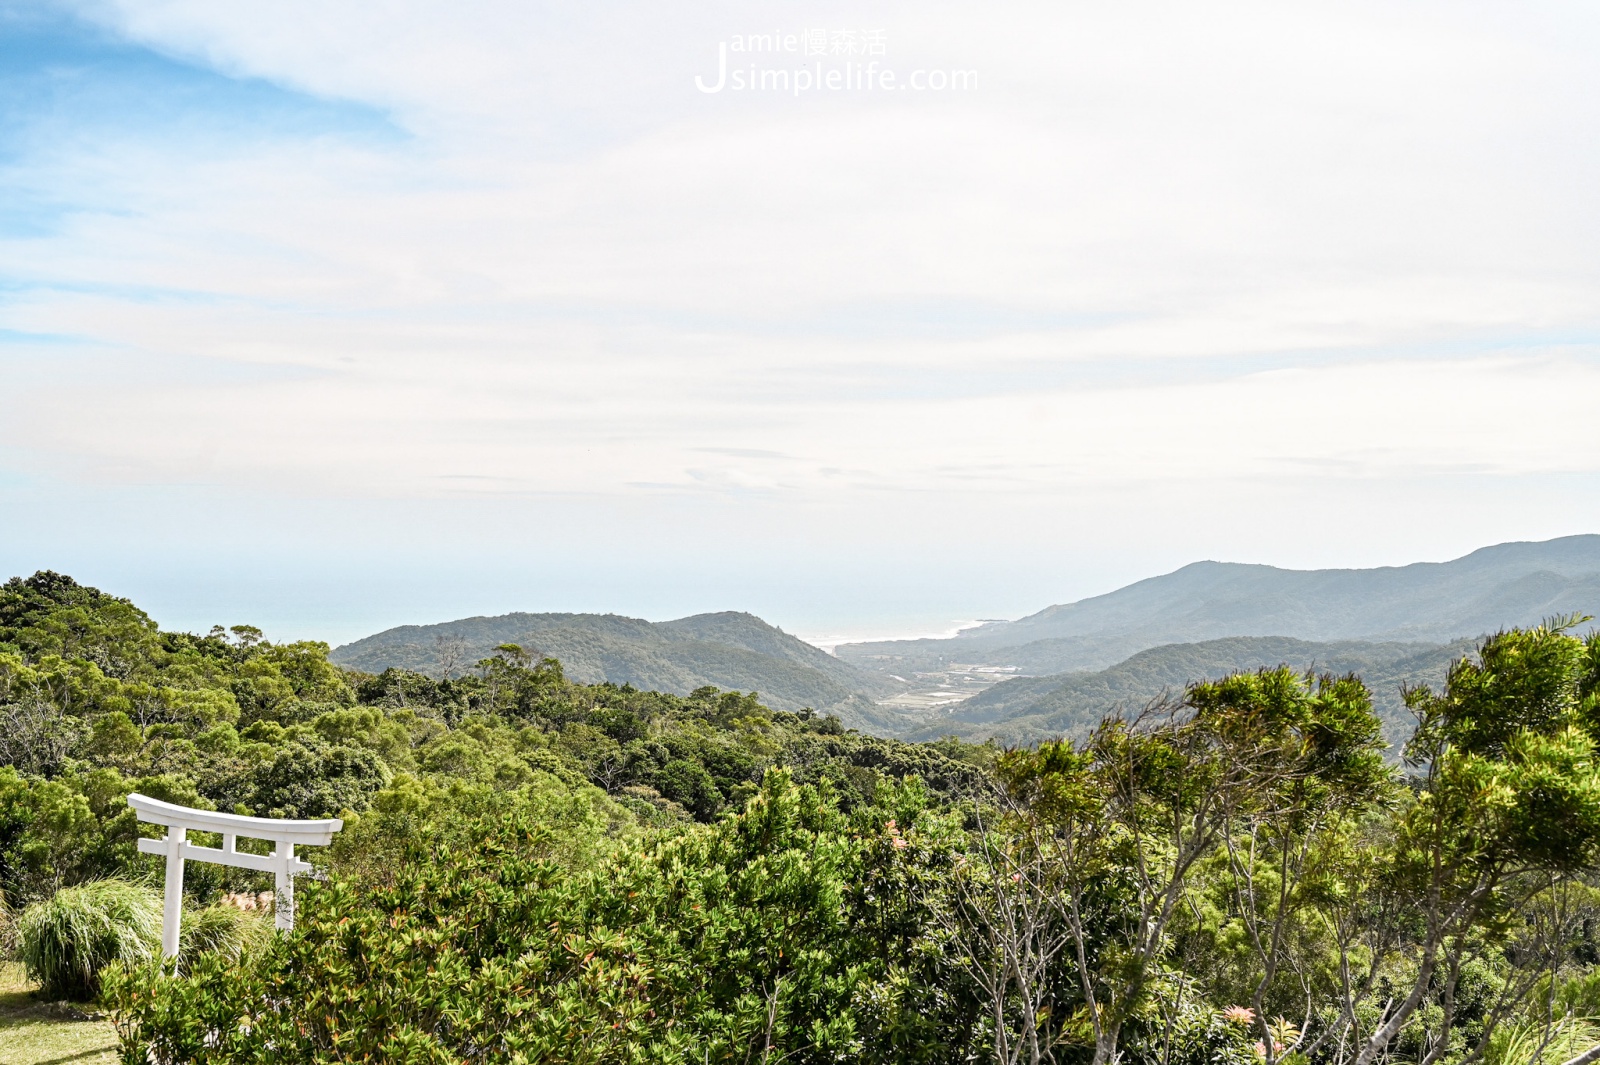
[(1058, 671)]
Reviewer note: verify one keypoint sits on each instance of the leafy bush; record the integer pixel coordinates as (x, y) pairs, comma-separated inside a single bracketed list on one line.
[(66, 941), (310, 778), (791, 931), (1193, 1034), (688, 783)]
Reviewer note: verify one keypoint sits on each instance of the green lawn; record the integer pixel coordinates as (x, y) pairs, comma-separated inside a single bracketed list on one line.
[(33, 1033)]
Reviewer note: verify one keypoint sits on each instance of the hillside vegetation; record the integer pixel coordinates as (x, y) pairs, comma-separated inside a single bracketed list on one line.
[(1074, 662), (1030, 709), (725, 650), (97, 701), (538, 870)]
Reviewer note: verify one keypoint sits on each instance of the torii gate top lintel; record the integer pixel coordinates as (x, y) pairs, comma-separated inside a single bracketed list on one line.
[(282, 863), (312, 833)]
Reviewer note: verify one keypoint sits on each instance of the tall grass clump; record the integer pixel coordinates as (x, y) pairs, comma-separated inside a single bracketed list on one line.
[(1537, 1044), (8, 928), (65, 941), (224, 930)]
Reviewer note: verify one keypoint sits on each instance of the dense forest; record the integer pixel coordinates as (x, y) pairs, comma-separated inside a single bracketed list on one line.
[(538, 870)]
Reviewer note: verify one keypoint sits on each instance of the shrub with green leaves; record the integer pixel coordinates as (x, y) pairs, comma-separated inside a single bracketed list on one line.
[(792, 932), (67, 941)]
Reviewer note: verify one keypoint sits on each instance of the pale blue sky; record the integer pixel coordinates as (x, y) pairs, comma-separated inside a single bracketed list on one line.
[(332, 317)]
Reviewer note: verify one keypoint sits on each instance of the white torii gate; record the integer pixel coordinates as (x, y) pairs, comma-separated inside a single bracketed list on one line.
[(282, 862)]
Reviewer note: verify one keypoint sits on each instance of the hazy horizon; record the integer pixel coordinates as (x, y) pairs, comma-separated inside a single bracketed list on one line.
[(400, 604)]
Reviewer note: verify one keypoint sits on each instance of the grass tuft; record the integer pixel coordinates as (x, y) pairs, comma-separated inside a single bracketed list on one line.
[(1536, 1044), (65, 941), (221, 929)]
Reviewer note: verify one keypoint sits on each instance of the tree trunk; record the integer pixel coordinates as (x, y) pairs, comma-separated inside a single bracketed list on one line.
[(1586, 1058), (1380, 1039), (1105, 1044)]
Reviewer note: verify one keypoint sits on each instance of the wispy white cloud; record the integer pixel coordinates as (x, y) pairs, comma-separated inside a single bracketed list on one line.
[(412, 251)]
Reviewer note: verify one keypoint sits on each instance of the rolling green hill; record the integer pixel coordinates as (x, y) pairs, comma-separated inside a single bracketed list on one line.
[(1028, 709), (728, 650)]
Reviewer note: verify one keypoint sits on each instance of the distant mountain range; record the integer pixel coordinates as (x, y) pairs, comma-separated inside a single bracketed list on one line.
[(1434, 602), (1077, 661), (728, 650)]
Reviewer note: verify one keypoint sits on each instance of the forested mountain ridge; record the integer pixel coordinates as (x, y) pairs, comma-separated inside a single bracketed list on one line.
[(1506, 585), (730, 649)]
